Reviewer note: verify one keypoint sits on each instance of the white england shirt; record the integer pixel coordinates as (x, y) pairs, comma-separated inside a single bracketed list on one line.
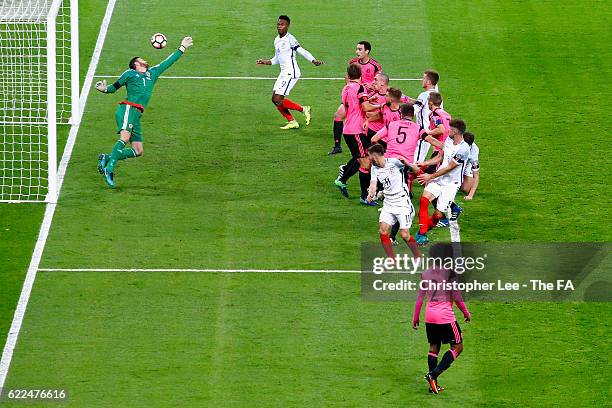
[(394, 185), (285, 51)]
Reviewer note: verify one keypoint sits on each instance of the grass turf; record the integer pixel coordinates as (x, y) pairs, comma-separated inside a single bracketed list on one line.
[(219, 186)]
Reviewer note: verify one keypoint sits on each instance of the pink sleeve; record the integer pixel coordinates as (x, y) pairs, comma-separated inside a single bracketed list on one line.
[(463, 308), (418, 305), (459, 302), (381, 134)]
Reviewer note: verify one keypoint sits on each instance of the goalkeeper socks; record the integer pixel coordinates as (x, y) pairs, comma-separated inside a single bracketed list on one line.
[(432, 361), (446, 362), (364, 181), (338, 126), (115, 155), (289, 104), (120, 152), (128, 153)]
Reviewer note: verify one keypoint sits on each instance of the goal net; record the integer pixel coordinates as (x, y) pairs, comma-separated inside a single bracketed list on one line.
[(38, 93)]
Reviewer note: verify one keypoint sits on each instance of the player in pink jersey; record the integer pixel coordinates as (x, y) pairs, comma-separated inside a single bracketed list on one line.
[(391, 111), (377, 99), (440, 322), (353, 97), (439, 121), (370, 67), (401, 136)]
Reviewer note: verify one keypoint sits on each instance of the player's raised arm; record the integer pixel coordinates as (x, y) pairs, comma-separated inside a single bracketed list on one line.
[(159, 69)]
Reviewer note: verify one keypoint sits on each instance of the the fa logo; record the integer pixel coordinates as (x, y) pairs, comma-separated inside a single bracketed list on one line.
[(148, 75)]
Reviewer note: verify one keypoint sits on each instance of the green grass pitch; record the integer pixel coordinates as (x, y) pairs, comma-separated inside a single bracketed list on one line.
[(220, 186)]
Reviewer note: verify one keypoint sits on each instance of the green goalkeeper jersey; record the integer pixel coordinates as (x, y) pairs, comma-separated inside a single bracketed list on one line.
[(140, 86)]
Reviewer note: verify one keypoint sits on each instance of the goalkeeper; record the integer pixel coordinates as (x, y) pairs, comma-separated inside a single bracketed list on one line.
[(139, 81)]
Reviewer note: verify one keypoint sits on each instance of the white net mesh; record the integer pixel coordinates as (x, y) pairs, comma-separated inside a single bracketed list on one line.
[(23, 94)]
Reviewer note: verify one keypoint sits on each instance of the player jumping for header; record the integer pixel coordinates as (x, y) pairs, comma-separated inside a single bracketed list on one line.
[(139, 82), (285, 48)]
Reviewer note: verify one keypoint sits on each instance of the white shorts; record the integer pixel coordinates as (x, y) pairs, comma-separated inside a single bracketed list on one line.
[(284, 83), (390, 215), (420, 151), (445, 193)]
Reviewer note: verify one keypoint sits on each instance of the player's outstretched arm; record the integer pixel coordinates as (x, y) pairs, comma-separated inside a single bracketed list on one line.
[(263, 62), (304, 53), (426, 178), (159, 69), (112, 88)]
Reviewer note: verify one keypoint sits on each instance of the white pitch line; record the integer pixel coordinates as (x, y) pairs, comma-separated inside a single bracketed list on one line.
[(257, 78), (11, 341), (199, 270)]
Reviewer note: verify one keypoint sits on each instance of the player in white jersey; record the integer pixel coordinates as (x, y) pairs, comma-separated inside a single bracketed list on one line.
[(471, 179), (421, 110), (285, 49), (472, 169), (444, 183), (397, 206)]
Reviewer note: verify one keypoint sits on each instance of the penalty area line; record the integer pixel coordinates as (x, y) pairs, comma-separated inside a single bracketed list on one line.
[(255, 78), (198, 270)]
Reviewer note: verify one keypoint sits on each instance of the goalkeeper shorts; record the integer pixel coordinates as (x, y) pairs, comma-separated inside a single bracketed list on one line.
[(128, 118)]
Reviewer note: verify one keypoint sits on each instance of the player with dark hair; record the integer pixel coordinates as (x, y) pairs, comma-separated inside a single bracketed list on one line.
[(397, 207), (444, 183), (285, 48), (400, 137), (139, 82), (440, 322), (472, 170), (369, 68), (353, 97), (471, 179)]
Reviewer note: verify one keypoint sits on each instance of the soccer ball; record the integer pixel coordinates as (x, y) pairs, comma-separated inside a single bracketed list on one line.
[(159, 41)]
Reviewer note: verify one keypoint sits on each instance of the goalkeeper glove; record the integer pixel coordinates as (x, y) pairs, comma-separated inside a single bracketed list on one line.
[(101, 86)]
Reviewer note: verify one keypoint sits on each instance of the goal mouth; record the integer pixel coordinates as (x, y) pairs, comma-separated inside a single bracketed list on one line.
[(39, 91)]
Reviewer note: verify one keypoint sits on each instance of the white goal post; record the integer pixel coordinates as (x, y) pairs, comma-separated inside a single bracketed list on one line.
[(39, 93)]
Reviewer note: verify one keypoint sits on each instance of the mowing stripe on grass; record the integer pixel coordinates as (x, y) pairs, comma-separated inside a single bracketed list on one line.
[(11, 340)]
